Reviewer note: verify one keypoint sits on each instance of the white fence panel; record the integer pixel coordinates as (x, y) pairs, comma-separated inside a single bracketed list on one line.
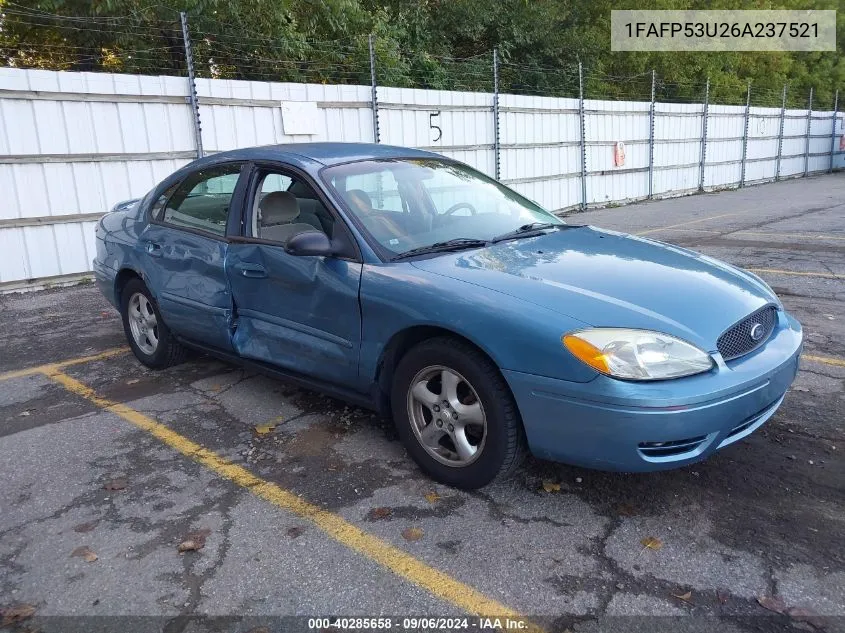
[(763, 130), (247, 113), (677, 150), (608, 122), (455, 124), (725, 128), (74, 144), (540, 149), (821, 128)]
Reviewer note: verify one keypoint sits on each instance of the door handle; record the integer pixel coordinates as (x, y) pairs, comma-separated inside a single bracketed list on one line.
[(255, 271), (154, 249)]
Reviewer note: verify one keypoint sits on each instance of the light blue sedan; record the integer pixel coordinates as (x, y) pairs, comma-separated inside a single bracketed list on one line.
[(409, 283)]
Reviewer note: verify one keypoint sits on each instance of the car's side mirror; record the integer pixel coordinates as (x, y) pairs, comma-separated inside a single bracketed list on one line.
[(314, 243)]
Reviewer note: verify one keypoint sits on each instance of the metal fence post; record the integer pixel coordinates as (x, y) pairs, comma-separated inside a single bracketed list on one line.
[(583, 136), (192, 84), (651, 140), (496, 147), (809, 127), (833, 130), (703, 152), (376, 135), (745, 134), (780, 133)]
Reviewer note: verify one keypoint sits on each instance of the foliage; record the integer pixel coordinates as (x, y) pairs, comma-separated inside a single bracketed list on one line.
[(420, 43)]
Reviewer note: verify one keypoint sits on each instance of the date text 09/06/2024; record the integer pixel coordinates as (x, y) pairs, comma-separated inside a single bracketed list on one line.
[(419, 623)]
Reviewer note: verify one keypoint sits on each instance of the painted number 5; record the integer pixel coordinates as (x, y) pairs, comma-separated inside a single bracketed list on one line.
[(435, 127)]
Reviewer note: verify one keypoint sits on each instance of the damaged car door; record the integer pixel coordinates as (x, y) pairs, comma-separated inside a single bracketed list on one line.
[(183, 251), (299, 312)]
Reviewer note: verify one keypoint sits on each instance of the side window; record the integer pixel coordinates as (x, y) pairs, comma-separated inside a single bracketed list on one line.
[(157, 209), (285, 205), (275, 182), (202, 200)]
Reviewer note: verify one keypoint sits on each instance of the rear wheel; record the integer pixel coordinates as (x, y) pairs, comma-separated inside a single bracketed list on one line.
[(456, 415), (149, 337)]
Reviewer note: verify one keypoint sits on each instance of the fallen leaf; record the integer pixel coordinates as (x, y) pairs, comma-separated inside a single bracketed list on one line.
[(432, 497), (133, 381), (16, 613), (412, 534), (806, 615), (194, 541), (651, 542), (551, 486), (686, 597), (296, 531), (626, 510), (86, 527), (116, 484), (85, 553), (380, 513), (772, 604), (264, 429)]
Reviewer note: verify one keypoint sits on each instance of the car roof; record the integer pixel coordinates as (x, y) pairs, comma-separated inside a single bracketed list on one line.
[(323, 153)]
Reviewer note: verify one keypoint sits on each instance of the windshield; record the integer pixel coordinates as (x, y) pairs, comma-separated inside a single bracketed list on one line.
[(406, 204)]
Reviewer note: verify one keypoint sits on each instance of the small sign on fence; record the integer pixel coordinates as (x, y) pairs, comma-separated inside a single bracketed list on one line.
[(618, 154), (300, 117)]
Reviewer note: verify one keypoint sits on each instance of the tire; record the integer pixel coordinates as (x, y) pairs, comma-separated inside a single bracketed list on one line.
[(481, 452), (158, 349)]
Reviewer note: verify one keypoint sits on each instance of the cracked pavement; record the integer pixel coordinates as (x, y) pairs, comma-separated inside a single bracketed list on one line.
[(762, 518)]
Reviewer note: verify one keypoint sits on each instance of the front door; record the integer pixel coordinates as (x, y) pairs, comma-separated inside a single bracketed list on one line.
[(298, 312), (184, 251)]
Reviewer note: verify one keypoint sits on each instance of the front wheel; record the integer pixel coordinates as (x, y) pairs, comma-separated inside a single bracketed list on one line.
[(456, 415), (150, 339)]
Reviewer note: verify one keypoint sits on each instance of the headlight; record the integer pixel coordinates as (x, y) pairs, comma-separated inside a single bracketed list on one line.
[(636, 354)]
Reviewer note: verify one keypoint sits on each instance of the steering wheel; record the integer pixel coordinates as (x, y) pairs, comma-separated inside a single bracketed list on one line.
[(460, 205)]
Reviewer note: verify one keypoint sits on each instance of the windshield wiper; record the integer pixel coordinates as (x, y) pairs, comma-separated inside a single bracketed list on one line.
[(530, 230), (456, 244)]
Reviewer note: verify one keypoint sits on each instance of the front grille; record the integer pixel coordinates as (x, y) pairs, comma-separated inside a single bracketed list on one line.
[(737, 341)]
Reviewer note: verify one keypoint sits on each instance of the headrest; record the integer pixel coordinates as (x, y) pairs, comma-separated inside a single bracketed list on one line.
[(278, 207), (360, 198)]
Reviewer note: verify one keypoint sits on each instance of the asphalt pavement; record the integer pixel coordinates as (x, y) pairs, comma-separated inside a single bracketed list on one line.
[(294, 504)]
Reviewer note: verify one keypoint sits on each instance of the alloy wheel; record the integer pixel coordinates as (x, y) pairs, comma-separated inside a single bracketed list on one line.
[(447, 416), (143, 323)]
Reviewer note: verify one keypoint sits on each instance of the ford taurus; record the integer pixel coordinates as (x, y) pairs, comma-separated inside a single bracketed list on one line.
[(485, 326)]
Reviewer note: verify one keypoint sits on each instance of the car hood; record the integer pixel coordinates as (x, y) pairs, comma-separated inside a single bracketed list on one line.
[(610, 279)]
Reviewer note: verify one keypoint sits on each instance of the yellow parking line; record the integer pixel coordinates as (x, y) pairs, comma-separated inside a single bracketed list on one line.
[(777, 271), (41, 369), (394, 559), (811, 236), (675, 226), (824, 359)]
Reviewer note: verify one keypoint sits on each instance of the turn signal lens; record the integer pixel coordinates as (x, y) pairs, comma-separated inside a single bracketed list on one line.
[(636, 354), (586, 353)]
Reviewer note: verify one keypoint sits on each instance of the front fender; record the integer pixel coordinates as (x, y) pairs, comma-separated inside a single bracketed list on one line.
[(517, 335)]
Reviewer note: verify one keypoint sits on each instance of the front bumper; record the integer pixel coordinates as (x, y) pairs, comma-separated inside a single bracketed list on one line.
[(610, 424)]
